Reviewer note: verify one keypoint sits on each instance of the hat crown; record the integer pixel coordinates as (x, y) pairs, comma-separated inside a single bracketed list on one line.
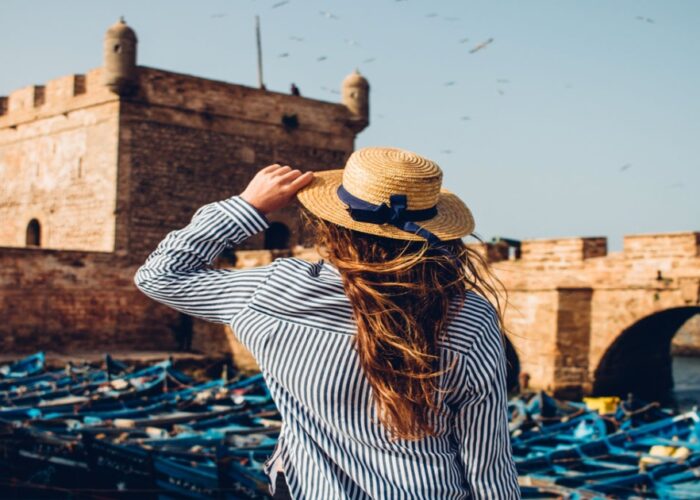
[(373, 174)]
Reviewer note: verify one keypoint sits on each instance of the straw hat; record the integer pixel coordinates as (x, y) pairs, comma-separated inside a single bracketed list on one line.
[(372, 175)]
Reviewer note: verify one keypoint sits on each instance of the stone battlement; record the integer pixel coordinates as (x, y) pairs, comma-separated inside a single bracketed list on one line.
[(685, 244), (210, 98), (59, 95), (562, 250), (682, 244)]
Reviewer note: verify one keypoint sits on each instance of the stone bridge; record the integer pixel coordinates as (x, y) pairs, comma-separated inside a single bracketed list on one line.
[(583, 320)]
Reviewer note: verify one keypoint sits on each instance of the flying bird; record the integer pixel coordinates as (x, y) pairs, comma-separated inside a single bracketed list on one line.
[(465, 118), (280, 4), (432, 14), (449, 84), (481, 45), (647, 19), (446, 151), (284, 54), (328, 15), (367, 61), (625, 167), (322, 58), (332, 91), (501, 92)]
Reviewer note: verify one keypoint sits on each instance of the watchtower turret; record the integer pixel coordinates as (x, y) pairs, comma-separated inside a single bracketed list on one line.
[(356, 98), (120, 58)]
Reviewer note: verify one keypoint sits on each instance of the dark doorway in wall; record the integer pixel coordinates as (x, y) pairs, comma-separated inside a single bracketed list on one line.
[(277, 236), (33, 233)]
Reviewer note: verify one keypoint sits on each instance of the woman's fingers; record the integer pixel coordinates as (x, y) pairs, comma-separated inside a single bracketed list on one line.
[(274, 186), (302, 181), (270, 168), (289, 176), (281, 171)]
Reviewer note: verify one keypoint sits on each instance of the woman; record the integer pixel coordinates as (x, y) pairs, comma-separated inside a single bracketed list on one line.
[(386, 362)]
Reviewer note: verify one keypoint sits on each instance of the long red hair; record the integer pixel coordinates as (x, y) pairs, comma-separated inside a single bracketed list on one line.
[(401, 294)]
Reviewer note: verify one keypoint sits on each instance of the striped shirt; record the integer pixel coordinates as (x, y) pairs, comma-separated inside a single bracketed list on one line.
[(296, 320)]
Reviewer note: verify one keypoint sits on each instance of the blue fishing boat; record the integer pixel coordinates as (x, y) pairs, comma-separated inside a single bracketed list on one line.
[(156, 432), (24, 367), (617, 461)]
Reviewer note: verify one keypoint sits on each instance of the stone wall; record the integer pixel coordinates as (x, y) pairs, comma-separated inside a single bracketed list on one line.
[(78, 301), (109, 177), (58, 151), (187, 141)]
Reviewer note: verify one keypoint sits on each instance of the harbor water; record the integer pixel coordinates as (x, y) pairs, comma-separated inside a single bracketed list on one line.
[(686, 381)]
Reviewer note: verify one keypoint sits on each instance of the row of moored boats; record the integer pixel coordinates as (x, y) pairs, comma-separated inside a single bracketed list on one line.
[(114, 430)]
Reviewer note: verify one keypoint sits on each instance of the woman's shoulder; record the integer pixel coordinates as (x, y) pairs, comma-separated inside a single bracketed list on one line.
[(477, 321), (305, 292), (477, 309)]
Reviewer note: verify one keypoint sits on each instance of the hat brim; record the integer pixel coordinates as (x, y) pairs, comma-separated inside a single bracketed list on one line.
[(453, 219)]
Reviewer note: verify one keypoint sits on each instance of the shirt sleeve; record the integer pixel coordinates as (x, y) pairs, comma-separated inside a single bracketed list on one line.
[(178, 272), (482, 419)]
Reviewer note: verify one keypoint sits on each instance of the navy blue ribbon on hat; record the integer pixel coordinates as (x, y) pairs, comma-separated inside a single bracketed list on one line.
[(396, 214)]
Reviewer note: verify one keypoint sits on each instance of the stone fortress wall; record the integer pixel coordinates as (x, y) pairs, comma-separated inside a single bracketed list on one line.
[(96, 168)]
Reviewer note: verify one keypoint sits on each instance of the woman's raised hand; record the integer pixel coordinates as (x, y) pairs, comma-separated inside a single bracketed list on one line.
[(274, 187)]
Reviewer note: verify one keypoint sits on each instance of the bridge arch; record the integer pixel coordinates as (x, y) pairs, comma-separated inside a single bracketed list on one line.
[(639, 360)]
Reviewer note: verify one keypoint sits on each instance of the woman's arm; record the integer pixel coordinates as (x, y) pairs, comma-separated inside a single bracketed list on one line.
[(177, 273), (482, 421)]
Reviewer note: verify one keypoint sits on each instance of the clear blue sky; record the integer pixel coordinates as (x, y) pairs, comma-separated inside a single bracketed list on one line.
[(581, 116)]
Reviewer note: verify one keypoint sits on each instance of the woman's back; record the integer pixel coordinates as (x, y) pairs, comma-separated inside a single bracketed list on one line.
[(299, 327), (357, 360)]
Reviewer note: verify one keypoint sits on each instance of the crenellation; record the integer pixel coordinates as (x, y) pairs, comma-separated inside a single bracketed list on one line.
[(26, 98), (39, 95), (595, 247), (58, 96), (662, 245), (492, 252), (79, 86), (563, 249), (61, 89)]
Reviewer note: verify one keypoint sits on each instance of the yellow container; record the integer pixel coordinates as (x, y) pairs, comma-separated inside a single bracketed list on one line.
[(605, 404)]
